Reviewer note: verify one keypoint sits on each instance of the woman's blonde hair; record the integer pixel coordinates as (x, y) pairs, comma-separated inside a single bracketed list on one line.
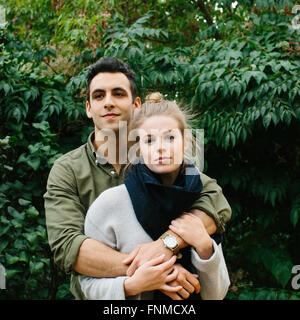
[(155, 105)]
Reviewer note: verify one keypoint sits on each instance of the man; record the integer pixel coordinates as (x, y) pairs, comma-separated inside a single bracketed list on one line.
[(77, 178)]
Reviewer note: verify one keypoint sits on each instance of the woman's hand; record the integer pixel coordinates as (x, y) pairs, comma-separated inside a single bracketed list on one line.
[(191, 229), (152, 275), (187, 280)]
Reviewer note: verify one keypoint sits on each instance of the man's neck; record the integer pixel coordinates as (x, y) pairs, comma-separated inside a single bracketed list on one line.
[(107, 147)]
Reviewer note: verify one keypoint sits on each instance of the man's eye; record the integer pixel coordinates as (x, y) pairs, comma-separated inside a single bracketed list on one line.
[(119, 94), (98, 96)]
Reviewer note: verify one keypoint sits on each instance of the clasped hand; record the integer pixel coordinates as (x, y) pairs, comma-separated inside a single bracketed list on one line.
[(154, 260)]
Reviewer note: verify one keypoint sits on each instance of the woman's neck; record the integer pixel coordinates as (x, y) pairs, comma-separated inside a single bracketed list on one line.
[(168, 179)]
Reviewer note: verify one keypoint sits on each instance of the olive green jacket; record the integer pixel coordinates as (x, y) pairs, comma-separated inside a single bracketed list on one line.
[(75, 181)]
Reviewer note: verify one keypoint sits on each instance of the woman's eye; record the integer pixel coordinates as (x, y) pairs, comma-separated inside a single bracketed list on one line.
[(170, 138), (149, 140)]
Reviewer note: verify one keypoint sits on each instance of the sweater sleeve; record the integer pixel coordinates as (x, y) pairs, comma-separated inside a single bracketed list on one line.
[(103, 288), (213, 274)]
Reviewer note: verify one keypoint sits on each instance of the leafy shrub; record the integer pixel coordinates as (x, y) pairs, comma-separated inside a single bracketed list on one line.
[(241, 77)]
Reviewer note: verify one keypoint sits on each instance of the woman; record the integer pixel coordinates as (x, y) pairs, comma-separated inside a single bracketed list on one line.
[(156, 190)]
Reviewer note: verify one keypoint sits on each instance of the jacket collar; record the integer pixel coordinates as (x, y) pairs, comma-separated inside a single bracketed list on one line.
[(93, 154), (96, 158)]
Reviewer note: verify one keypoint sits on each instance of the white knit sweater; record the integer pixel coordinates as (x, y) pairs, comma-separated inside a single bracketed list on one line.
[(112, 221)]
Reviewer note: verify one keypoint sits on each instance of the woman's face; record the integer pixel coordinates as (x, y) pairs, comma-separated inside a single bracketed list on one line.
[(161, 144)]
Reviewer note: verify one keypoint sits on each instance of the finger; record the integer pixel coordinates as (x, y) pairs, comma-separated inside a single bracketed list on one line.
[(131, 256), (168, 264), (176, 222), (193, 280), (178, 230), (168, 288), (153, 262), (156, 261), (183, 293), (174, 228), (186, 214), (176, 297), (173, 296), (187, 286), (132, 268), (172, 276), (194, 218)]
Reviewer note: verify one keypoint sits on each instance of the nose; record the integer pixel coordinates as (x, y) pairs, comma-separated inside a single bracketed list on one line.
[(161, 146), (109, 102)]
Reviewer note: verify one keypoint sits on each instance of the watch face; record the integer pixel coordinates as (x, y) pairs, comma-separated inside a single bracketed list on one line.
[(171, 242)]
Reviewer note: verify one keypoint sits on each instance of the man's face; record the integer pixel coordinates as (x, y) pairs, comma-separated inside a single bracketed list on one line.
[(110, 100)]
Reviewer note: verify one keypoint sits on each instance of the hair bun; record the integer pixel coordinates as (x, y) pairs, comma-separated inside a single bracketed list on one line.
[(155, 97)]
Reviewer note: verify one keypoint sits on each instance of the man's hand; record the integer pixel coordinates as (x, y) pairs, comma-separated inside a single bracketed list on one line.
[(188, 281), (152, 275), (145, 252)]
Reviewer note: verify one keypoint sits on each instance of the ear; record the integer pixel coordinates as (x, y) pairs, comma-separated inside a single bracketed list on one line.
[(137, 103), (186, 142), (88, 109)]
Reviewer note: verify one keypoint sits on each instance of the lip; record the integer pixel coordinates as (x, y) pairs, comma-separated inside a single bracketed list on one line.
[(110, 115), (163, 159)]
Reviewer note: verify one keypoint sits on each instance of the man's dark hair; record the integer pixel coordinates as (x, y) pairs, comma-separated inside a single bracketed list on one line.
[(111, 65)]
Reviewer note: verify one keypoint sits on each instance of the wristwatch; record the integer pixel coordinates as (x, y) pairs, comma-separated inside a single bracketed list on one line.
[(170, 242)]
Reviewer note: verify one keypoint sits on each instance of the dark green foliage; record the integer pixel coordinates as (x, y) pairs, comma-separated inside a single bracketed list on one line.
[(240, 74)]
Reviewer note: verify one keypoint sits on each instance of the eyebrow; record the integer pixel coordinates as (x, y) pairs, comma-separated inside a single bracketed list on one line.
[(102, 90), (97, 91), (164, 132)]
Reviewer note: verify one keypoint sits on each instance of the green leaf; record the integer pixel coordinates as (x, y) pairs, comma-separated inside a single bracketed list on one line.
[(275, 119), (233, 138), (35, 267), (246, 295), (31, 237), (257, 75), (279, 263), (15, 213), (267, 119), (34, 163), (11, 273), (294, 215), (3, 244), (32, 212), (24, 202), (275, 66), (286, 65), (4, 230), (219, 72), (43, 126), (11, 259), (23, 256), (282, 271)]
